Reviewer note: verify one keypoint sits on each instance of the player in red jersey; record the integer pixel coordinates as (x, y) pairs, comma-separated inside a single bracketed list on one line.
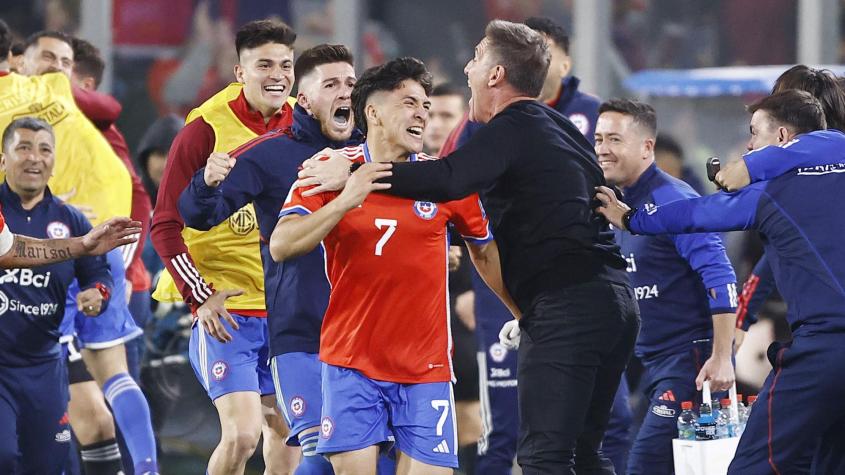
[(385, 339)]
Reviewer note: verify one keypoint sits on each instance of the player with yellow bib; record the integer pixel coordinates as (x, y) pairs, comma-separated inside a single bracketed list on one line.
[(218, 273)]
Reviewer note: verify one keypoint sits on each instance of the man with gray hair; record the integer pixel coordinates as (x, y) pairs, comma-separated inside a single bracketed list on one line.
[(559, 259)]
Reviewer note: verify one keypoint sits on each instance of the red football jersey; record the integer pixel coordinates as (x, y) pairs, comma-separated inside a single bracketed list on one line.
[(388, 313)]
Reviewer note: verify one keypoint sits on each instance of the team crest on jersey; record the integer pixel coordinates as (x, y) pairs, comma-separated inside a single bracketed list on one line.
[(581, 122), (498, 352), (219, 370), (326, 427), (58, 230), (297, 406), (425, 209)]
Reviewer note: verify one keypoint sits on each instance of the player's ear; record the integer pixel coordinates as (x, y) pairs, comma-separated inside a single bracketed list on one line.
[(239, 73), (497, 75), (565, 66), (302, 100), (783, 135), (371, 113), (2, 162), (648, 147)]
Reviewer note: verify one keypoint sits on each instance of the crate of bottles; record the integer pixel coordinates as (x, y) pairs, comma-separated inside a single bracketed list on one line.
[(707, 441), (703, 457)]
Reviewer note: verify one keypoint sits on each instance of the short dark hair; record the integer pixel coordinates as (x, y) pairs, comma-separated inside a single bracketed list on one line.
[(447, 89), (319, 55), (522, 52), (29, 123), (823, 85), (793, 108), (550, 28), (667, 143), (18, 48), (32, 40), (87, 60), (386, 77), (260, 32), (5, 40), (641, 112)]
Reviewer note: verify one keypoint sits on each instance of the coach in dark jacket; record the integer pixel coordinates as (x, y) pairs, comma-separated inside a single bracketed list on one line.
[(559, 260)]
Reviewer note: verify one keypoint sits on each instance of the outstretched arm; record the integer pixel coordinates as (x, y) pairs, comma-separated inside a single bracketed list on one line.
[(31, 252), (717, 212), (815, 151)]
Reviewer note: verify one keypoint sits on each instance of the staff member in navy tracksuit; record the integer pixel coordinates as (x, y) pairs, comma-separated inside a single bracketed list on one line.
[(799, 407), (684, 284), (33, 382)]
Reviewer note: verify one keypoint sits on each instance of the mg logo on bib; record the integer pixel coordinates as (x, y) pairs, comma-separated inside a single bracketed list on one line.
[(242, 222), (425, 209)]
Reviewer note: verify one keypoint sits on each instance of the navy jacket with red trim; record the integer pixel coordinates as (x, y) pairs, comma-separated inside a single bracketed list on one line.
[(297, 290)]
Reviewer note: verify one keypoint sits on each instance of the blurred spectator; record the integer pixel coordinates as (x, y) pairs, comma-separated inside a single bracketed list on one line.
[(153, 148), (178, 85), (151, 158), (747, 32), (629, 28), (447, 109), (669, 157)]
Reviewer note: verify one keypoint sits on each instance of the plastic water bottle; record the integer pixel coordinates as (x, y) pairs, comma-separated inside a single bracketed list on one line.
[(751, 401), (743, 416), (705, 428), (686, 422), (716, 408), (724, 425)]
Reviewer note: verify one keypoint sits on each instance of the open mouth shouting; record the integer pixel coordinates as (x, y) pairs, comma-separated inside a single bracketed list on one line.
[(342, 116)]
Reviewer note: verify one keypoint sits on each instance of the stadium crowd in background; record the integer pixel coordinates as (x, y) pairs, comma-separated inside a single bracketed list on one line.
[(438, 291)]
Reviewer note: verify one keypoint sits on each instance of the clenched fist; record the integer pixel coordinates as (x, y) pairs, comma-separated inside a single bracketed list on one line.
[(217, 168)]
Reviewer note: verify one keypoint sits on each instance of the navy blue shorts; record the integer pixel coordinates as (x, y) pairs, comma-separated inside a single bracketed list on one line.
[(34, 431), (297, 378)]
